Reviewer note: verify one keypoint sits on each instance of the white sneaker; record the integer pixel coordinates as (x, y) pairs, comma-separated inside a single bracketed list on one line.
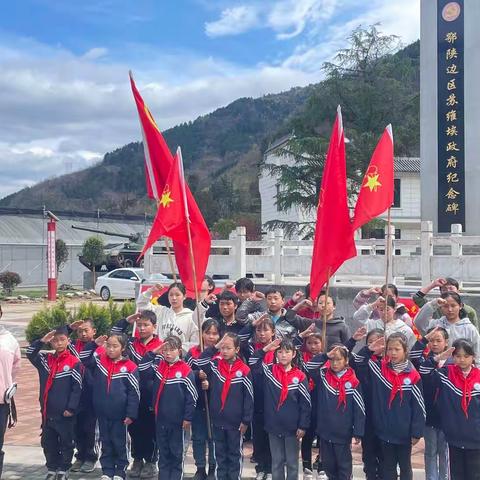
[(260, 476), (307, 474), (117, 477), (268, 476), (106, 477), (322, 476)]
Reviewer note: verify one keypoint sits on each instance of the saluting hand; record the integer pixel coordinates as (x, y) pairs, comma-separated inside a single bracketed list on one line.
[(47, 338), (272, 345), (308, 331)]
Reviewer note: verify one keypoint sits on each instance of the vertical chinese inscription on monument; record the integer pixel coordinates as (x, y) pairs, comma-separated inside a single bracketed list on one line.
[(451, 128)]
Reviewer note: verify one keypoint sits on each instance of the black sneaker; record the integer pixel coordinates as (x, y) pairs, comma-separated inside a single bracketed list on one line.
[(62, 476), (211, 472), (51, 476), (200, 474)]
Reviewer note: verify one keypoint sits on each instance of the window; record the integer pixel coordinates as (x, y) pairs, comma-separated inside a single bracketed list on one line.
[(123, 275), (396, 193)]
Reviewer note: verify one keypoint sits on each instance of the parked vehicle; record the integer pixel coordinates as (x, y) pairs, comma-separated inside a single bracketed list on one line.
[(121, 283)]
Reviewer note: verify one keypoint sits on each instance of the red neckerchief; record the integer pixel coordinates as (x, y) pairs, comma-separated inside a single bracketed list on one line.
[(397, 379), (307, 356), (114, 367), (285, 378), (142, 348), (167, 371), (228, 371), (195, 352), (54, 363), (79, 346), (465, 384), (338, 383), (268, 357)]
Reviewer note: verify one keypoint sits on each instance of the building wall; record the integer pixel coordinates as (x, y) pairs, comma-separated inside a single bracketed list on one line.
[(409, 210), (268, 191)]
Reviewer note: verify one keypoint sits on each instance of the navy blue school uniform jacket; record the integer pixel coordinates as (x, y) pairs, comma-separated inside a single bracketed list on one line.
[(136, 348), (248, 347), (191, 359), (399, 409), (340, 409), (116, 391), (419, 354), (459, 403), (231, 390), (60, 380), (82, 350), (174, 393), (287, 404)]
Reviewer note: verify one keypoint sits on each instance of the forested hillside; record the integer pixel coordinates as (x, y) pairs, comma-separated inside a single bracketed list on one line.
[(223, 150)]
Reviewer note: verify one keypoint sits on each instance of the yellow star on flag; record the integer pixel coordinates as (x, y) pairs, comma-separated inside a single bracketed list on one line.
[(166, 200), (372, 182)]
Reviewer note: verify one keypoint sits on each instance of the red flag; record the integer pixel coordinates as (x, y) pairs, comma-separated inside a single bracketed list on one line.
[(158, 157), (376, 193), (175, 202), (333, 241)]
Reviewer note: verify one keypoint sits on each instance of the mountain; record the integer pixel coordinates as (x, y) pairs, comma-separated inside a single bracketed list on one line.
[(223, 150), (222, 146)]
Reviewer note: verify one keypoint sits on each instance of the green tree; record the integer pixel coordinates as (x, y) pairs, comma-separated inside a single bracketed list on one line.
[(9, 280), (93, 254), (61, 254), (223, 227), (376, 85)]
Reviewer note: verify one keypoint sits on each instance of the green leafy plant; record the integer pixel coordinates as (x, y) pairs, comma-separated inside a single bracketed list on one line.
[(61, 254), (92, 253), (103, 316), (46, 320), (9, 281)]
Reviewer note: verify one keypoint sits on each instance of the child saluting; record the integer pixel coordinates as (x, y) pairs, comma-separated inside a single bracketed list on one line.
[(459, 406), (173, 401), (60, 390), (231, 403), (116, 396), (287, 406)]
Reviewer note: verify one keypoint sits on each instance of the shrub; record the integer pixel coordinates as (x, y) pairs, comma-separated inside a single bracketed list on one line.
[(99, 314), (9, 281), (46, 320), (103, 317)]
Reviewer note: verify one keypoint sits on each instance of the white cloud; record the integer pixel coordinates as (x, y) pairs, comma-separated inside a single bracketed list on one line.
[(290, 17), (233, 21), (61, 111), (95, 53)]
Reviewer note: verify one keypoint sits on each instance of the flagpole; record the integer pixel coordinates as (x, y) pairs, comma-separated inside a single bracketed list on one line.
[(170, 258), (324, 326), (194, 271), (387, 265)]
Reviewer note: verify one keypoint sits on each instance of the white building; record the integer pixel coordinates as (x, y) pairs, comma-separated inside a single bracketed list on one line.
[(405, 212)]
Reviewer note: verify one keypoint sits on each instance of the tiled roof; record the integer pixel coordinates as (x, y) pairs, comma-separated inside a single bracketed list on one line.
[(280, 141), (407, 164)]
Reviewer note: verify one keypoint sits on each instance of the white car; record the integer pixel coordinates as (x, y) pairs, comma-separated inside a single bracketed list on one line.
[(120, 283)]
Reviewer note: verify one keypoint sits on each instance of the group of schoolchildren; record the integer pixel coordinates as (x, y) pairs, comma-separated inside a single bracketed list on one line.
[(272, 368)]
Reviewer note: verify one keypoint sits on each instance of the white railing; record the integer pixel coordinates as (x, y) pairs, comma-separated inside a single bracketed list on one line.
[(280, 261)]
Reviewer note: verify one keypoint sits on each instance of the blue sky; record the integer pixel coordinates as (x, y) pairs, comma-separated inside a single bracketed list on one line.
[(64, 87)]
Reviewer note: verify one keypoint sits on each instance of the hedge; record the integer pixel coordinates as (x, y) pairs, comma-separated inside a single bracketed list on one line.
[(49, 318)]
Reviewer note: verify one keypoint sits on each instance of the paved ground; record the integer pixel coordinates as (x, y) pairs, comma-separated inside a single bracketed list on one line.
[(23, 455)]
